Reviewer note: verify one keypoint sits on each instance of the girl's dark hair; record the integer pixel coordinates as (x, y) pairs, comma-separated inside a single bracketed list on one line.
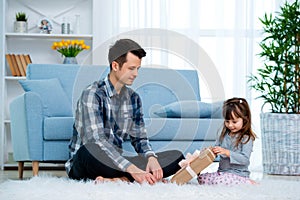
[(238, 107)]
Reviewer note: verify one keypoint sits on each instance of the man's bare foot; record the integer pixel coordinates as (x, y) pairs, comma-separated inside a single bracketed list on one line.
[(101, 179), (165, 180)]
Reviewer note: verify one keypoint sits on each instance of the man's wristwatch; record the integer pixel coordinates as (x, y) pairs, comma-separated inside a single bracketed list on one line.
[(152, 155)]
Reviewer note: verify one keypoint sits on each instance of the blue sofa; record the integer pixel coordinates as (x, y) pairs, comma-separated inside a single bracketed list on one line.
[(42, 117)]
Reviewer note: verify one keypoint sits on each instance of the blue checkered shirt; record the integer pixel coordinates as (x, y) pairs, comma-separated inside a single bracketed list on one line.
[(106, 118)]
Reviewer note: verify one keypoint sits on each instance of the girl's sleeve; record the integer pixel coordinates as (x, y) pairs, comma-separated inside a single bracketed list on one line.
[(242, 157)]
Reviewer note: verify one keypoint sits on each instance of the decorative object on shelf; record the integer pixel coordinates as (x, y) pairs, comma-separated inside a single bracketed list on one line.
[(77, 24), (70, 49), (45, 26), (65, 27), (20, 25), (278, 81)]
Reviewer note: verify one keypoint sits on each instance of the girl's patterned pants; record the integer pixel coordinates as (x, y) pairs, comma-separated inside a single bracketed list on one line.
[(221, 178)]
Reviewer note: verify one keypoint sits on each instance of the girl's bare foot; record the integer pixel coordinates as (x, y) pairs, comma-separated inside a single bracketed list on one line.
[(252, 182), (101, 179)]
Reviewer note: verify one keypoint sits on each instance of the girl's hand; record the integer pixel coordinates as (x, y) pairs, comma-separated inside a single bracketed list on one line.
[(221, 151)]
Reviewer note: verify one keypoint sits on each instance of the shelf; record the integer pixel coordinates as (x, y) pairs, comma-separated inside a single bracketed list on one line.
[(37, 45), (6, 121), (15, 77), (49, 36)]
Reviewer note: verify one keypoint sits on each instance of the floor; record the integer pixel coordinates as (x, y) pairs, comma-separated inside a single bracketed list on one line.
[(58, 172), (13, 174)]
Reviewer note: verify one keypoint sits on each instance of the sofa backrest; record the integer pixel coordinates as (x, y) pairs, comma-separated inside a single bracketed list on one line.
[(85, 76), (65, 73), (158, 87)]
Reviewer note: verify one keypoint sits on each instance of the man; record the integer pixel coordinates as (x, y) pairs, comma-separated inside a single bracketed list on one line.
[(107, 112)]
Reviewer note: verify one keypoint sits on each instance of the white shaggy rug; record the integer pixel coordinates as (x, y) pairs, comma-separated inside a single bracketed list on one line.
[(49, 187)]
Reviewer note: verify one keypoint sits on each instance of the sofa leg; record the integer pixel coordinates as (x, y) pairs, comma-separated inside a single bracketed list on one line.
[(35, 168), (20, 169)]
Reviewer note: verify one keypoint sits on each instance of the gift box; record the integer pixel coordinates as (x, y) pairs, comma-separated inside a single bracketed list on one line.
[(193, 165)]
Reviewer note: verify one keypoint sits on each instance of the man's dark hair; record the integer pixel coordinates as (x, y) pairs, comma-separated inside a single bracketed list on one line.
[(119, 50), (140, 53)]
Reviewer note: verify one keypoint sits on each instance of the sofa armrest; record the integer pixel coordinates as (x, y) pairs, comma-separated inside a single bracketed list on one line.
[(26, 113)]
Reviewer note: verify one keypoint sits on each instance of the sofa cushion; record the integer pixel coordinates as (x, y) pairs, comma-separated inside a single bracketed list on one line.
[(54, 99), (66, 74), (188, 109), (58, 128), (159, 146), (185, 129), (56, 150), (217, 111), (162, 86)]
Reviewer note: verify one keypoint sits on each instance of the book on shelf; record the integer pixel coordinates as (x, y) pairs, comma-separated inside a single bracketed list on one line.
[(11, 65), (23, 63), (15, 66), (18, 63), (20, 66), (27, 59)]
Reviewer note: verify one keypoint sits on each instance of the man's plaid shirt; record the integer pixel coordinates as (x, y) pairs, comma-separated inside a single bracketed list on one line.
[(106, 118)]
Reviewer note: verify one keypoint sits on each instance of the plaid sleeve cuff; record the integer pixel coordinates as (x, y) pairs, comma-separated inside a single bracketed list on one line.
[(150, 154), (125, 166)]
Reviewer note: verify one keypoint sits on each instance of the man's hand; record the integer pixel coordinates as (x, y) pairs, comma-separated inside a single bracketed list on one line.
[(141, 176), (154, 167)]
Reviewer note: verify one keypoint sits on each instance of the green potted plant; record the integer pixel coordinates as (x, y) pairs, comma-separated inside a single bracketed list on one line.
[(278, 82), (20, 25)]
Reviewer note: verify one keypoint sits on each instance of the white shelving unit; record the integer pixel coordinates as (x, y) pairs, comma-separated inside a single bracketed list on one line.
[(49, 36), (37, 45)]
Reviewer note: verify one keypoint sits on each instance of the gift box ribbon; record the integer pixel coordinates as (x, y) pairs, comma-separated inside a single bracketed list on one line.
[(185, 163)]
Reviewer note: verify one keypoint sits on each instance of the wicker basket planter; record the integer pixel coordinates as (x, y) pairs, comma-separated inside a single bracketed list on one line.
[(280, 143)]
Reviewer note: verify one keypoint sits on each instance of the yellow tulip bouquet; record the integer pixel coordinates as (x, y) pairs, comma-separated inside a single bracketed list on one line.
[(70, 48)]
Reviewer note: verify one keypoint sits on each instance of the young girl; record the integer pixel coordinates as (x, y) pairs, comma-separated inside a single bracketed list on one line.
[(234, 146)]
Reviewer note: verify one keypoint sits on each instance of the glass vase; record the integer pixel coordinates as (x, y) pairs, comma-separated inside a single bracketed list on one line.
[(70, 60)]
